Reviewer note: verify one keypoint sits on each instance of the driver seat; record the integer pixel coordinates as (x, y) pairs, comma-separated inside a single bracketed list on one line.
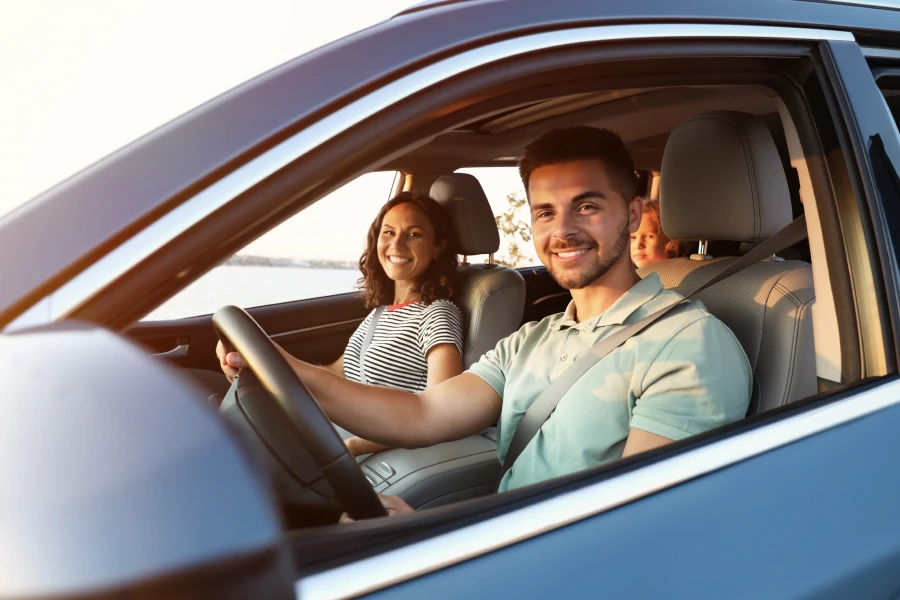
[(491, 297)]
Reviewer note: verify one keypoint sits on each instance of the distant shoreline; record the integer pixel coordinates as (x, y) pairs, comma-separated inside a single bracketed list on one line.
[(268, 261)]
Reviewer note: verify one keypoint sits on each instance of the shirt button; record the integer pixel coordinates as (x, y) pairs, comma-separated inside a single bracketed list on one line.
[(574, 332), (564, 357)]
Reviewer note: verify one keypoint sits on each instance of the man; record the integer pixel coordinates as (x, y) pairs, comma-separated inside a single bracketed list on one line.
[(683, 375)]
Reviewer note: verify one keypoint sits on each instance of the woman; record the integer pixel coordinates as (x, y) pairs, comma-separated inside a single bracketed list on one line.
[(408, 271), (649, 244), (409, 266)]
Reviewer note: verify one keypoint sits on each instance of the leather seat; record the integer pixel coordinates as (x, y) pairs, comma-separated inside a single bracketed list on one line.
[(491, 297), (722, 179)]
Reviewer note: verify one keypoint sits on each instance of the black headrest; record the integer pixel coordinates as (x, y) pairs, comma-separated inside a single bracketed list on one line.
[(463, 198)]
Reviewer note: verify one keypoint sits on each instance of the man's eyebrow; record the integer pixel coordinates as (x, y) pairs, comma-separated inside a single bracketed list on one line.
[(578, 198), (588, 194)]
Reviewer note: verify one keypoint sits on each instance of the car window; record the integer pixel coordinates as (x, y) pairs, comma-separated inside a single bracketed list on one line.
[(314, 253)]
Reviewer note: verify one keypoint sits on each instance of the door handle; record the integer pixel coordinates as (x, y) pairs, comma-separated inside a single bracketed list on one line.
[(176, 352)]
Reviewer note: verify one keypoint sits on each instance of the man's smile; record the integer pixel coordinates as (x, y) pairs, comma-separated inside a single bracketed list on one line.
[(570, 255)]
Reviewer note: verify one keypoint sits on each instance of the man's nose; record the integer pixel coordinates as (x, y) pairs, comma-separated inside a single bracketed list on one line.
[(566, 226)]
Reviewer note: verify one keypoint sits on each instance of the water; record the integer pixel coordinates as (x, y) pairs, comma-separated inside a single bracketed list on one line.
[(254, 286)]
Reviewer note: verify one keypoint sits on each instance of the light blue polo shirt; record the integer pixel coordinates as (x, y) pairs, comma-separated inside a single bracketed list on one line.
[(681, 376)]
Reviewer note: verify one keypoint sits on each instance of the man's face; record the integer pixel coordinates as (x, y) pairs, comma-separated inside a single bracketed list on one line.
[(581, 224)]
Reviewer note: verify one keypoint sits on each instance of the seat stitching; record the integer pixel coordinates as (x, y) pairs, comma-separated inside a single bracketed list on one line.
[(754, 192), (797, 335), (788, 293)]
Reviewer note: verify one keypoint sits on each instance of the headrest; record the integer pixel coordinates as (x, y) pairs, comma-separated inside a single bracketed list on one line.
[(473, 220), (722, 179)]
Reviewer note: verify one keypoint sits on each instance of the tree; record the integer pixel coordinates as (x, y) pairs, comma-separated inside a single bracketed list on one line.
[(516, 231)]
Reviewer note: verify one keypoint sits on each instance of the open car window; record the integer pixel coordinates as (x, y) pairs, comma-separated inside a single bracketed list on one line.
[(313, 254)]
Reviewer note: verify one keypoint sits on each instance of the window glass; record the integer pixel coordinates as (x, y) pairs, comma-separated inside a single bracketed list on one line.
[(506, 196), (314, 253)]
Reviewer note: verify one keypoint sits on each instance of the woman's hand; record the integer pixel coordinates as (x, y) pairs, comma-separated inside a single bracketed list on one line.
[(230, 362), (394, 505)]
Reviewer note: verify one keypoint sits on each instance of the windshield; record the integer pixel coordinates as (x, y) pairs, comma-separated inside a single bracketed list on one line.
[(83, 79)]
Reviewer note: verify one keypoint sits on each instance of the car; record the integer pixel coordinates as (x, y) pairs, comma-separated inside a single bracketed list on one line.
[(131, 468)]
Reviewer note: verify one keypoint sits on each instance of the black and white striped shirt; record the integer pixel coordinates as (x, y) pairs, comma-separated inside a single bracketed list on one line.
[(403, 336)]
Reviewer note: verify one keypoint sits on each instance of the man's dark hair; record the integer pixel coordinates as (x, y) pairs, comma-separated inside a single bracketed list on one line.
[(582, 143)]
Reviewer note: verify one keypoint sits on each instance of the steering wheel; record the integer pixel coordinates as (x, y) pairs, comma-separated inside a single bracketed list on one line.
[(239, 332)]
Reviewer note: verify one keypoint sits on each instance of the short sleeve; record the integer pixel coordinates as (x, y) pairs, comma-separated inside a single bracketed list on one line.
[(441, 324), (699, 380)]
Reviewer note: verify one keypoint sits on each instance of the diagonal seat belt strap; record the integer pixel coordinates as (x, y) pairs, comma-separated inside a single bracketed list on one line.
[(544, 405), (370, 333)]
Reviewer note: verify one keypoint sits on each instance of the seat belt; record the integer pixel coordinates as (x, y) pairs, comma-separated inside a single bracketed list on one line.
[(370, 332), (541, 409)]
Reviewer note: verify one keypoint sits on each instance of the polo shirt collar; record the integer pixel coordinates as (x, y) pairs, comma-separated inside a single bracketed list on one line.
[(640, 293)]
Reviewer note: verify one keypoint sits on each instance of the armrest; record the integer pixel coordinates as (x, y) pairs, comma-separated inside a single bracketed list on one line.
[(440, 474)]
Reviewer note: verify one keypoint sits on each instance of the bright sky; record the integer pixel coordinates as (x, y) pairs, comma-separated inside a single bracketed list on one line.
[(81, 79)]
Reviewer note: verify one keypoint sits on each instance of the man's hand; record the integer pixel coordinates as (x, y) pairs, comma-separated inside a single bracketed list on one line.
[(231, 362), (393, 504), (358, 446)]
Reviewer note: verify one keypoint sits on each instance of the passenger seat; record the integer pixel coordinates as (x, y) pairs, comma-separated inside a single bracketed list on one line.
[(722, 179), (491, 297)]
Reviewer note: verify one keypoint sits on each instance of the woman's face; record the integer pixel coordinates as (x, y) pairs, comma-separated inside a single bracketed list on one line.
[(406, 244), (646, 245)]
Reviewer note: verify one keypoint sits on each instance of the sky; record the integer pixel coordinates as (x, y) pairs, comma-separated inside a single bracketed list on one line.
[(82, 79)]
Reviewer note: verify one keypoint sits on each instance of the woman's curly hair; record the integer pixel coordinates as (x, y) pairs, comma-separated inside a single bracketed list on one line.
[(437, 282)]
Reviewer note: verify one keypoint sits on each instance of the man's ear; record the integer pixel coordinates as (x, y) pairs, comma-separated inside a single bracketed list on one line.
[(635, 213), (439, 249)]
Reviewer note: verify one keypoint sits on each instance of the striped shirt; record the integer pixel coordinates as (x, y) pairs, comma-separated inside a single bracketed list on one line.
[(403, 336)]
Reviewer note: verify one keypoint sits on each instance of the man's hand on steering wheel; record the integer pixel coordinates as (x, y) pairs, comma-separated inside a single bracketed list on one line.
[(230, 362)]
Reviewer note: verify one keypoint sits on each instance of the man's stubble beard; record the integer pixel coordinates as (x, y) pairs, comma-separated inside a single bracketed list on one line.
[(597, 269)]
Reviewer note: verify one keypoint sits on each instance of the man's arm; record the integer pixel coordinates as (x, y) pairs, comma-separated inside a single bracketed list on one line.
[(444, 362), (640, 441), (337, 367), (454, 409)]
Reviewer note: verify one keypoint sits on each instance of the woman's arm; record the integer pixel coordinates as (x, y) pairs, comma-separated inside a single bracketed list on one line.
[(444, 362)]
